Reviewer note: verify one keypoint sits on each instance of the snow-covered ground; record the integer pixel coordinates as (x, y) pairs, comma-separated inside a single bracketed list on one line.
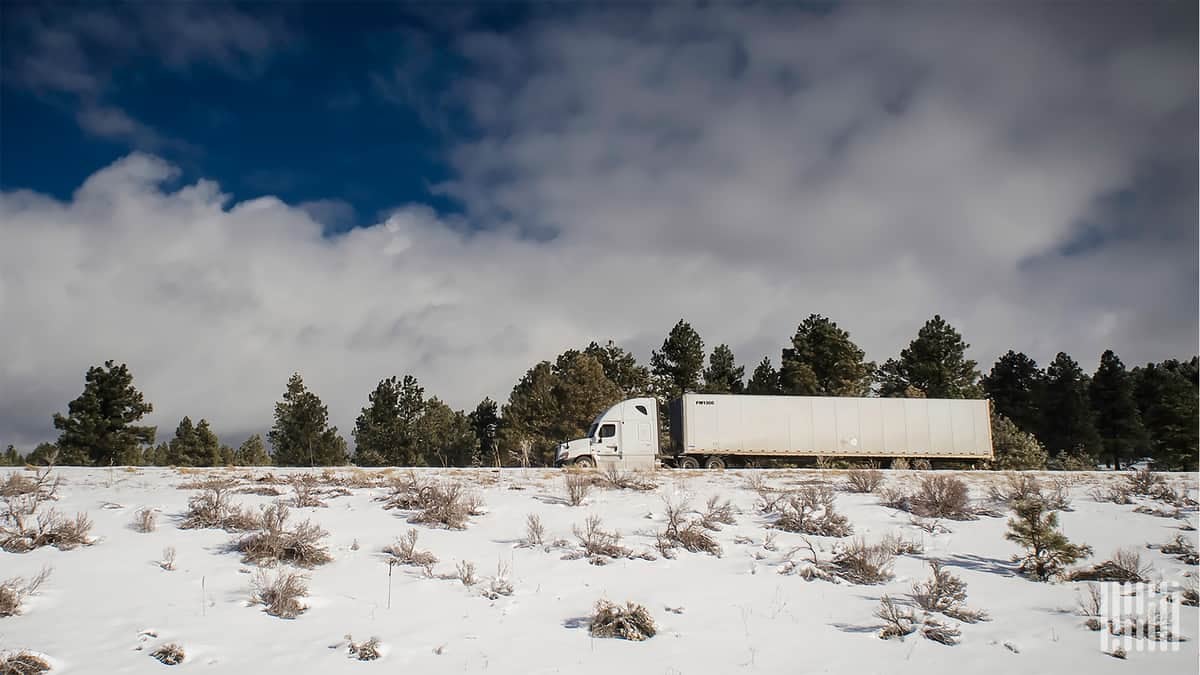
[(105, 607)]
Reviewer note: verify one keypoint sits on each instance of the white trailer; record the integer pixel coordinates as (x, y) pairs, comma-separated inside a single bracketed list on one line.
[(713, 430)]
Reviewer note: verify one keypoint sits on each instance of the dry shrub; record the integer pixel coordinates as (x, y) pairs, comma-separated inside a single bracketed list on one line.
[(597, 542), (14, 591), (859, 563), (466, 572), (20, 534), (1125, 567), (864, 480), (273, 542), (31, 491), (691, 535), (145, 520), (281, 593), (942, 496), (214, 508), (616, 478), (717, 513), (447, 504), (810, 510), (577, 485), (631, 622), (898, 545), (1190, 595), (404, 552), (933, 629), (168, 559), (1090, 604), (363, 651), (945, 593), (304, 489), (1022, 486), (1182, 548), (261, 491), (898, 620), (1115, 494), (499, 585), (1146, 482), (535, 534), (22, 663), (921, 464), (170, 654), (930, 525)]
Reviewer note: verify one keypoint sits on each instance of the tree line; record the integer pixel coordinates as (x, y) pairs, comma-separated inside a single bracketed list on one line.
[(1058, 414)]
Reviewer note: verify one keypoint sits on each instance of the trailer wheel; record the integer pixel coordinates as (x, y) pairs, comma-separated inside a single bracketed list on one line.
[(688, 462), (714, 462), (585, 463)]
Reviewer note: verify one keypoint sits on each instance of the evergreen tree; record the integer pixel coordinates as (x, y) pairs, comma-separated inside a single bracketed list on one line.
[(1166, 395), (1116, 414), (301, 435), (158, 455), (1066, 424), (1014, 387), (11, 457), (43, 454), (181, 449), (764, 380), (621, 368), (723, 376), (1015, 450), (678, 365), (485, 423), (100, 425), (377, 430), (252, 452), (1048, 551), (581, 392), (824, 361), (444, 435), (934, 363)]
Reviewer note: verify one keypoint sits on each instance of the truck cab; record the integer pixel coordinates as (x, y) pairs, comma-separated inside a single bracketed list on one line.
[(625, 434)]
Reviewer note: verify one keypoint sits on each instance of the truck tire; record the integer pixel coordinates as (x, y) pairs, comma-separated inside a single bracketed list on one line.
[(714, 462), (688, 462), (585, 463)]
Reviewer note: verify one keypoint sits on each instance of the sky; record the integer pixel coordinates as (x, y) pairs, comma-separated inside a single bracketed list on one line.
[(220, 195)]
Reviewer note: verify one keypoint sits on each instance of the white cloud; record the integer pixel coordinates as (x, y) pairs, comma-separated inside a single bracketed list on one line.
[(739, 170)]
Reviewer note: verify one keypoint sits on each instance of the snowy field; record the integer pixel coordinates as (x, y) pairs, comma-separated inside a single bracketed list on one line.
[(107, 606)]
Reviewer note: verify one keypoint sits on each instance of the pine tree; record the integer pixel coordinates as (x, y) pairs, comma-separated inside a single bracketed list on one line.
[(11, 457), (723, 376), (678, 365), (99, 427), (824, 361), (581, 392), (1066, 424), (301, 435), (485, 423), (181, 449), (43, 454), (444, 436), (158, 455), (1014, 387), (252, 452), (1015, 450), (1166, 395), (1048, 551), (377, 429), (765, 379), (530, 417), (934, 363), (621, 368), (1116, 414)]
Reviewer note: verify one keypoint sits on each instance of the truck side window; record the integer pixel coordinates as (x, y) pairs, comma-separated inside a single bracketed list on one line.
[(608, 431), (641, 409)]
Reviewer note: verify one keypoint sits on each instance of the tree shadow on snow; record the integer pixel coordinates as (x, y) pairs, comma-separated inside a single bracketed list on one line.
[(980, 563), (853, 628), (578, 622)]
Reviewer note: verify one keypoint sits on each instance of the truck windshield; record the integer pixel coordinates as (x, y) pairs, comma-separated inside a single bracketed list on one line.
[(592, 430)]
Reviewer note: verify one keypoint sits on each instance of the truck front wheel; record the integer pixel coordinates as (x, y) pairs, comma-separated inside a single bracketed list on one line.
[(714, 462), (585, 463), (688, 462)]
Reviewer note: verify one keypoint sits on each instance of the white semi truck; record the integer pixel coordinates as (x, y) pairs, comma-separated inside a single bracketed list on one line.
[(716, 430)]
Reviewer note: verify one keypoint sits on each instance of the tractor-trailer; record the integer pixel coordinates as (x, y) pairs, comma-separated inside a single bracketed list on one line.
[(716, 430)]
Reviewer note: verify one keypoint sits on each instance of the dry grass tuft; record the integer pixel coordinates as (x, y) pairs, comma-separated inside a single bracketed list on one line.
[(170, 654), (14, 591), (404, 552), (447, 504), (281, 594), (631, 622), (168, 559), (273, 542), (145, 520), (616, 478), (936, 496), (577, 484), (680, 532), (717, 513), (535, 533), (304, 491), (214, 508), (1182, 548), (22, 663), (1018, 486), (860, 563), (20, 534), (363, 651)]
